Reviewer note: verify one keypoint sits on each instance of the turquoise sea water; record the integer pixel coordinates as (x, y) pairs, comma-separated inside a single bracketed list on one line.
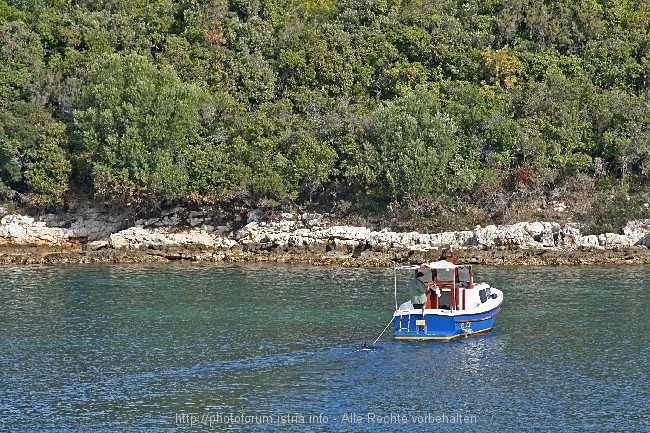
[(187, 347)]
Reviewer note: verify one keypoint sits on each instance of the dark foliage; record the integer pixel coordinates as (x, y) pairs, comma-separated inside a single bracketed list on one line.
[(448, 113)]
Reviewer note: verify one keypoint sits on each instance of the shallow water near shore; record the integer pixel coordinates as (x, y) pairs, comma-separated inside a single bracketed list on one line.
[(267, 347)]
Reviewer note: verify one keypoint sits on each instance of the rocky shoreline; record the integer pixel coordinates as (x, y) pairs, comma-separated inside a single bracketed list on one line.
[(209, 234)]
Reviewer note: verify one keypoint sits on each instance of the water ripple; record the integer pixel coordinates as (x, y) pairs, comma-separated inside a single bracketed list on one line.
[(133, 347)]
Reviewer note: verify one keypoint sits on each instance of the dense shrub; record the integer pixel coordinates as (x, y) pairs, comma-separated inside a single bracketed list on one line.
[(372, 103)]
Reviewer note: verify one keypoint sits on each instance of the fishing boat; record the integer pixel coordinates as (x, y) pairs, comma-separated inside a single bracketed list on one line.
[(455, 305)]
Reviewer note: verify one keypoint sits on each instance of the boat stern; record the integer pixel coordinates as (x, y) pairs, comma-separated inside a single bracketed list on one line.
[(418, 324)]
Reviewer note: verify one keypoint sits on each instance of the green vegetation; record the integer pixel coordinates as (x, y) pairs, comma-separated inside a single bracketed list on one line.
[(449, 113)]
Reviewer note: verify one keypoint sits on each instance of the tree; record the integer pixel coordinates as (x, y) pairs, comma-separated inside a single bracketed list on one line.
[(32, 159), (135, 122), (556, 133), (412, 147)]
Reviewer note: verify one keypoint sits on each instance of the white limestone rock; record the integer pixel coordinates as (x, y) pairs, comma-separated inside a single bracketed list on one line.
[(23, 229), (464, 238), (253, 215), (610, 240), (486, 236)]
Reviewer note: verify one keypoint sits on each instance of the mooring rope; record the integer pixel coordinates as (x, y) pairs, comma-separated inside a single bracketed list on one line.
[(382, 332)]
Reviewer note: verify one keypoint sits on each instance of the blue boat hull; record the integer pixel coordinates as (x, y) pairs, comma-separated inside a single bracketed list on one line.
[(439, 325)]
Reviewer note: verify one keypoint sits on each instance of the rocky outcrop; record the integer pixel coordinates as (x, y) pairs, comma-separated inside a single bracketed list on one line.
[(24, 230), (203, 234)]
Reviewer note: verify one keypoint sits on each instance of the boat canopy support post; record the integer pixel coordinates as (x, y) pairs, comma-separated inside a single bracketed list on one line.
[(471, 278), (395, 290), (452, 294)]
